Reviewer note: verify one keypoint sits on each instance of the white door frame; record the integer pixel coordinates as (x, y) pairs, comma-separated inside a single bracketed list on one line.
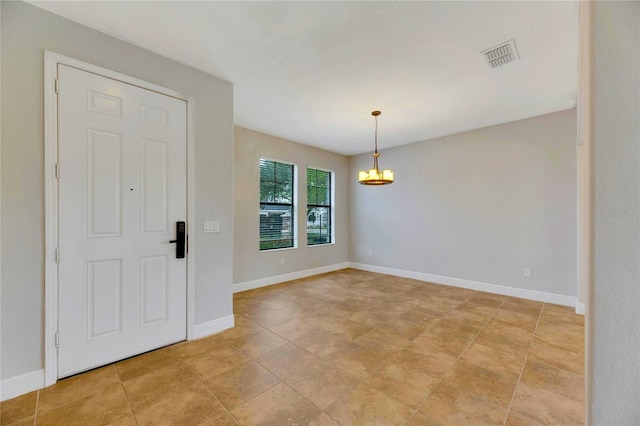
[(51, 61)]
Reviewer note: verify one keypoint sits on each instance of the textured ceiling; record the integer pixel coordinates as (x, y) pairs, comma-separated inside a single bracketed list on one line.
[(312, 71)]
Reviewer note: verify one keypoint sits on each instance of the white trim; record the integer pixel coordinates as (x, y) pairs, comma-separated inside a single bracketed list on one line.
[(19, 385), (57, 58), (585, 127), (277, 249), (332, 207), (0, 161), (51, 218), (276, 279), (51, 61), (580, 309), (191, 219), (214, 326), (540, 296), (321, 245), (294, 213), (324, 169), (277, 160)]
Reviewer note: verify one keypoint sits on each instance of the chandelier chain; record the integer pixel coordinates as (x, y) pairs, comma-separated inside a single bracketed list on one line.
[(375, 138)]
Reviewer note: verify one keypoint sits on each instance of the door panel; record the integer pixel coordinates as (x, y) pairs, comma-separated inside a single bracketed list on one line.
[(104, 171), (154, 289), (122, 188), (154, 187), (104, 303)]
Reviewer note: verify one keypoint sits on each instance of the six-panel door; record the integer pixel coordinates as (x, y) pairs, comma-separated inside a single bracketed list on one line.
[(122, 188)]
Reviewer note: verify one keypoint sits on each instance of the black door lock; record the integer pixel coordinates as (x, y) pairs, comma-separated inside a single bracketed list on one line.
[(181, 232)]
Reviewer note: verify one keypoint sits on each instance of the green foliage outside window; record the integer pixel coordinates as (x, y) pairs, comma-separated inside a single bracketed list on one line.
[(276, 205), (318, 207)]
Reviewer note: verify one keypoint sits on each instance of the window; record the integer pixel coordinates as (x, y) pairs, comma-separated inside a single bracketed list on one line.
[(277, 212), (319, 200)]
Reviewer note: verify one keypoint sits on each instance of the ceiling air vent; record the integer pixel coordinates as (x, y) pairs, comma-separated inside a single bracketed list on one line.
[(501, 54)]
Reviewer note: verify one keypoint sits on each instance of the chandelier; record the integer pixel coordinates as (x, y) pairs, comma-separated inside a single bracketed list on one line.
[(375, 176)]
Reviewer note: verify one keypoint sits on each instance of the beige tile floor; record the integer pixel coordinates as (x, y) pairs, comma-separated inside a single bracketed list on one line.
[(350, 348)]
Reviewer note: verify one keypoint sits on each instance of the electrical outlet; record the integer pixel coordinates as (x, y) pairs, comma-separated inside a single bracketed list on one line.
[(527, 272), (282, 261), (369, 253)]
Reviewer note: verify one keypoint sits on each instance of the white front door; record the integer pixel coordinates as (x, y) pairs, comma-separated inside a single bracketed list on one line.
[(122, 188)]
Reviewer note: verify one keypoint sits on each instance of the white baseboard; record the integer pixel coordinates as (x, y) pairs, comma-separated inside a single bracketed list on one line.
[(540, 296), (276, 279), (19, 385), (213, 326), (580, 308)]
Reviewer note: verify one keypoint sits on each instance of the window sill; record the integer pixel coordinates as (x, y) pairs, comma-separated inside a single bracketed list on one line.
[(322, 245), (277, 249)]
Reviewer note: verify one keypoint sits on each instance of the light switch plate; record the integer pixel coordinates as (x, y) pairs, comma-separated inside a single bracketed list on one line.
[(211, 226)]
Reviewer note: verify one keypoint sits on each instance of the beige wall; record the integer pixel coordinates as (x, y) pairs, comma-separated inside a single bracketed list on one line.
[(613, 314), (26, 32), (251, 264), (480, 206)]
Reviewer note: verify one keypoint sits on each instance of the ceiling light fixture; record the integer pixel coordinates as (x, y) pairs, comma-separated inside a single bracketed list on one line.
[(374, 176)]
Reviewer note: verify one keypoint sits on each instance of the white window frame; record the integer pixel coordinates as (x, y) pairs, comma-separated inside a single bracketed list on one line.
[(333, 206), (294, 218)]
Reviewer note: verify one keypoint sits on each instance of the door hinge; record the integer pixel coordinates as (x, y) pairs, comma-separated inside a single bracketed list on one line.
[(57, 170), (57, 339), (57, 85), (57, 255), (187, 244)]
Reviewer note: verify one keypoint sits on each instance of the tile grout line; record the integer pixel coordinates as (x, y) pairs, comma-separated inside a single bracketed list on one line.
[(275, 375), (135, 419), (356, 379), (35, 415), (321, 360), (391, 355), (458, 358), (362, 381), (195, 373), (282, 380), (126, 395), (533, 335), (382, 323), (440, 315)]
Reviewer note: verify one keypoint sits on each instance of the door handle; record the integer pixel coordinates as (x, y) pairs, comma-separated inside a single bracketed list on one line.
[(180, 238)]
